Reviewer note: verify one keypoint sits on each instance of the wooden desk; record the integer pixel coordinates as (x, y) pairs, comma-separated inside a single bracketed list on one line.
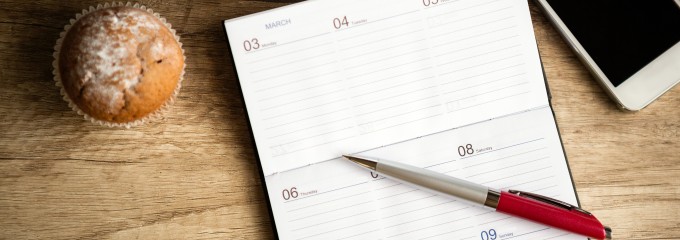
[(193, 175)]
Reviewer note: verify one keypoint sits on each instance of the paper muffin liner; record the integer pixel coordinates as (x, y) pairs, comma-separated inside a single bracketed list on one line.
[(153, 116)]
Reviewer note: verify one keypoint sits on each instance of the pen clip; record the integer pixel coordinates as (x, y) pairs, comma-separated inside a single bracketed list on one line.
[(548, 200)]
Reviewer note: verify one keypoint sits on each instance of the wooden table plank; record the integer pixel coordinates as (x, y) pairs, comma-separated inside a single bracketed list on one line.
[(193, 175)]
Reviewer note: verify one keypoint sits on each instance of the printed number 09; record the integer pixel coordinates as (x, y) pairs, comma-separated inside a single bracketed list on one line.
[(288, 194), (489, 235), (465, 150)]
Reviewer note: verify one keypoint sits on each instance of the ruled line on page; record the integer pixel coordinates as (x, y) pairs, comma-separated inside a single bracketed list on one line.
[(483, 44), (307, 127), (559, 235), (288, 83), (381, 41), (430, 226), (307, 118), (490, 101), (475, 16), (364, 84), (490, 91), (400, 114), (481, 74), (386, 58), (325, 192), (506, 157), (427, 217), (358, 234), (480, 54), (391, 87), (335, 220), (287, 43), (319, 144), (303, 99), (330, 211), (337, 229), (329, 81), (532, 232), (380, 30), (502, 169), (291, 62), (449, 232), (342, 197), (528, 182), (504, 148), (516, 174), (374, 101), (398, 104), (351, 206), (419, 209), (379, 50), (286, 54), (378, 20), (476, 25), (482, 84), (302, 69), (404, 122), (539, 190), (468, 37), (315, 135), (462, 9), (482, 64), (387, 68), (305, 108)]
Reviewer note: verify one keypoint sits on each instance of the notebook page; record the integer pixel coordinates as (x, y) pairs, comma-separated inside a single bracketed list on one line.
[(338, 200), (321, 78)]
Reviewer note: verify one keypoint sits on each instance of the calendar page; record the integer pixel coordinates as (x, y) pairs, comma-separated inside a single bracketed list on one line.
[(451, 85)]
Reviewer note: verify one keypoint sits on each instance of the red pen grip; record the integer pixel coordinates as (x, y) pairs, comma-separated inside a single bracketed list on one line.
[(567, 219)]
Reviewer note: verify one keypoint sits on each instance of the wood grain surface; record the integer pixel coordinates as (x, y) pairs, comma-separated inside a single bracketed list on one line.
[(193, 175)]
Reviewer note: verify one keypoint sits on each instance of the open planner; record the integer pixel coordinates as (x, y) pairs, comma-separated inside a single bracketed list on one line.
[(455, 86)]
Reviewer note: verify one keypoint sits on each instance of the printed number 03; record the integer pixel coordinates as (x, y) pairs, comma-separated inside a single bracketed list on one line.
[(251, 44), (488, 235)]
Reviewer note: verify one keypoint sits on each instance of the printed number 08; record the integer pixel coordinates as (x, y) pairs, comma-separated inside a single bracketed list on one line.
[(488, 235), (465, 150)]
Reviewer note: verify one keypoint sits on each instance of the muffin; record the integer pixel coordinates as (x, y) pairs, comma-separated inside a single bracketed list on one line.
[(119, 65)]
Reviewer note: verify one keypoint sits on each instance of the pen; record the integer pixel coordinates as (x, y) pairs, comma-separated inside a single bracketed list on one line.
[(529, 206)]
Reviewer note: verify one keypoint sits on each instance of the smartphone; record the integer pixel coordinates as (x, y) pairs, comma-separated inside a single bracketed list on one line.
[(632, 47)]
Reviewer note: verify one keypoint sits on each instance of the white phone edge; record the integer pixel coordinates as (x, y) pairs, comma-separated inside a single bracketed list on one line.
[(636, 92)]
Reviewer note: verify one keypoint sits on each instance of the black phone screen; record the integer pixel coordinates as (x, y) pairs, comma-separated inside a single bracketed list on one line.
[(621, 36)]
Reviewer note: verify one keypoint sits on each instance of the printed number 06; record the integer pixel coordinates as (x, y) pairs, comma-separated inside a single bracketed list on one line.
[(288, 194)]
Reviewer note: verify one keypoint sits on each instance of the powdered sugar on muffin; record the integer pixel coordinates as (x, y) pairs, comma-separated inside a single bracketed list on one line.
[(120, 64)]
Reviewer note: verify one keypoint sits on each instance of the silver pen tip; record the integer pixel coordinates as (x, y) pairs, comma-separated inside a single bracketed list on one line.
[(362, 161)]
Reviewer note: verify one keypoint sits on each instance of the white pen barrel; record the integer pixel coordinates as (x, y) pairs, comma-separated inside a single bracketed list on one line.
[(434, 181)]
